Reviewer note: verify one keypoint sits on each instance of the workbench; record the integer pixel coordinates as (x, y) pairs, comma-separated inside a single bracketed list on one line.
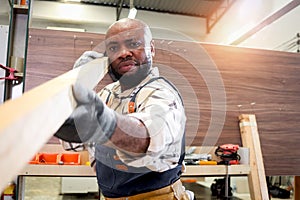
[(253, 169), (87, 171), (83, 170)]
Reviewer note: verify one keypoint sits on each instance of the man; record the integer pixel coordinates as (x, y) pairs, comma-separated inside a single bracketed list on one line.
[(137, 124)]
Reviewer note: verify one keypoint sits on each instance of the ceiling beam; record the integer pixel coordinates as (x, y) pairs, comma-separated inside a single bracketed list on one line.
[(119, 8), (275, 16), (217, 14)]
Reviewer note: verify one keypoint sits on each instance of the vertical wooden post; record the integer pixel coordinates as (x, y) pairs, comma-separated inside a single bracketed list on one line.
[(250, 139)]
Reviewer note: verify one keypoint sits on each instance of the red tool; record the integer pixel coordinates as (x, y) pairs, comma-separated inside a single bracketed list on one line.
[(228, 154), (12, 76)]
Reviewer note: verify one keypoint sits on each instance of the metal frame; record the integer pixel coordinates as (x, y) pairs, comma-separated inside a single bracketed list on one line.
[(284, 10), (217, 14)]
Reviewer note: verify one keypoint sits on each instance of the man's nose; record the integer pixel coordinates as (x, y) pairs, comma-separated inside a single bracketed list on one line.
[(124, 52)]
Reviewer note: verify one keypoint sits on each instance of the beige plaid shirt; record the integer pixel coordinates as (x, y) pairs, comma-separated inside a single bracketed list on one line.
[(159, 107)]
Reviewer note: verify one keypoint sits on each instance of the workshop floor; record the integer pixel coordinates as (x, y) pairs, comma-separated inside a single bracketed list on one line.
[(48, 188)]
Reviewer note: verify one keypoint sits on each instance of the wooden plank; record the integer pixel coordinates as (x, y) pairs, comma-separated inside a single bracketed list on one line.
[(257, 178), (28, 122), (57, 170), (83, 170), (216, 170)]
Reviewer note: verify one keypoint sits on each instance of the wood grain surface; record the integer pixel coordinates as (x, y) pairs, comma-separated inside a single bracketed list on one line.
[(218, 83)]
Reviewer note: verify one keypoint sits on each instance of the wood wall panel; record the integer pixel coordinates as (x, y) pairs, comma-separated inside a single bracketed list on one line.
[(271, 79), (51, 53), (268, 78)]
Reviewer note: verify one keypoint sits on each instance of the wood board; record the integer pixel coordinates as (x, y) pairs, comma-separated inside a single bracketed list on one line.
[(29, 121)]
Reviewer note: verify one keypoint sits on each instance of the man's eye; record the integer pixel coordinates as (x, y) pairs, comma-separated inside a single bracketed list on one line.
[(113, 48), (135, 44)]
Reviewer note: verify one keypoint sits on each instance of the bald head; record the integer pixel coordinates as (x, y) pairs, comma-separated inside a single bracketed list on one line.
[(127, 24)]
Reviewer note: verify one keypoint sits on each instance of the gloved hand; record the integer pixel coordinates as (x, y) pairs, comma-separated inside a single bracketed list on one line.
[(86, 57), (93, 120), (68, 131)]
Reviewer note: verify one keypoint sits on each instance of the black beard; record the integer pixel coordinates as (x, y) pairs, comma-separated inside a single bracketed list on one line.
[(130, 80), (113, 74)]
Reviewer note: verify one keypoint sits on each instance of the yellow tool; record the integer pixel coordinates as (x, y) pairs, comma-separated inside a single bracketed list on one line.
[(208, 162)]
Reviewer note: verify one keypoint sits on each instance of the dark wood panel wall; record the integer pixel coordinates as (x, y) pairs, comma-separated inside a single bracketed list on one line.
[(218, 83)]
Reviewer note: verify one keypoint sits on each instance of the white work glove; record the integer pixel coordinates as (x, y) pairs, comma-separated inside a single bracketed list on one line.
[(68, 131), (86, 57), (93, 120)]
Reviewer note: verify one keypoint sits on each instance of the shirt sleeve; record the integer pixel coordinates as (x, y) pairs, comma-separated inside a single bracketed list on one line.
[(163, 115)]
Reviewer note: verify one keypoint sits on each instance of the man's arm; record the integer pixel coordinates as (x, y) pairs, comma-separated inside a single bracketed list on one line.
[(93, 121), (130, 135)]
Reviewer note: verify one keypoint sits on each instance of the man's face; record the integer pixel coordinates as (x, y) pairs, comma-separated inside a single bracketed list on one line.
[(130, 52)]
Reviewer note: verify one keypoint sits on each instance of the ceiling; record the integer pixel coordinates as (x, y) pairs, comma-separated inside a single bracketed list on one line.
[(198, 8), (209, 10), (212, 10)]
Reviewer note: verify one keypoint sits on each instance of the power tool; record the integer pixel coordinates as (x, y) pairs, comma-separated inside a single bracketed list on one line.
[(228, 154)]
